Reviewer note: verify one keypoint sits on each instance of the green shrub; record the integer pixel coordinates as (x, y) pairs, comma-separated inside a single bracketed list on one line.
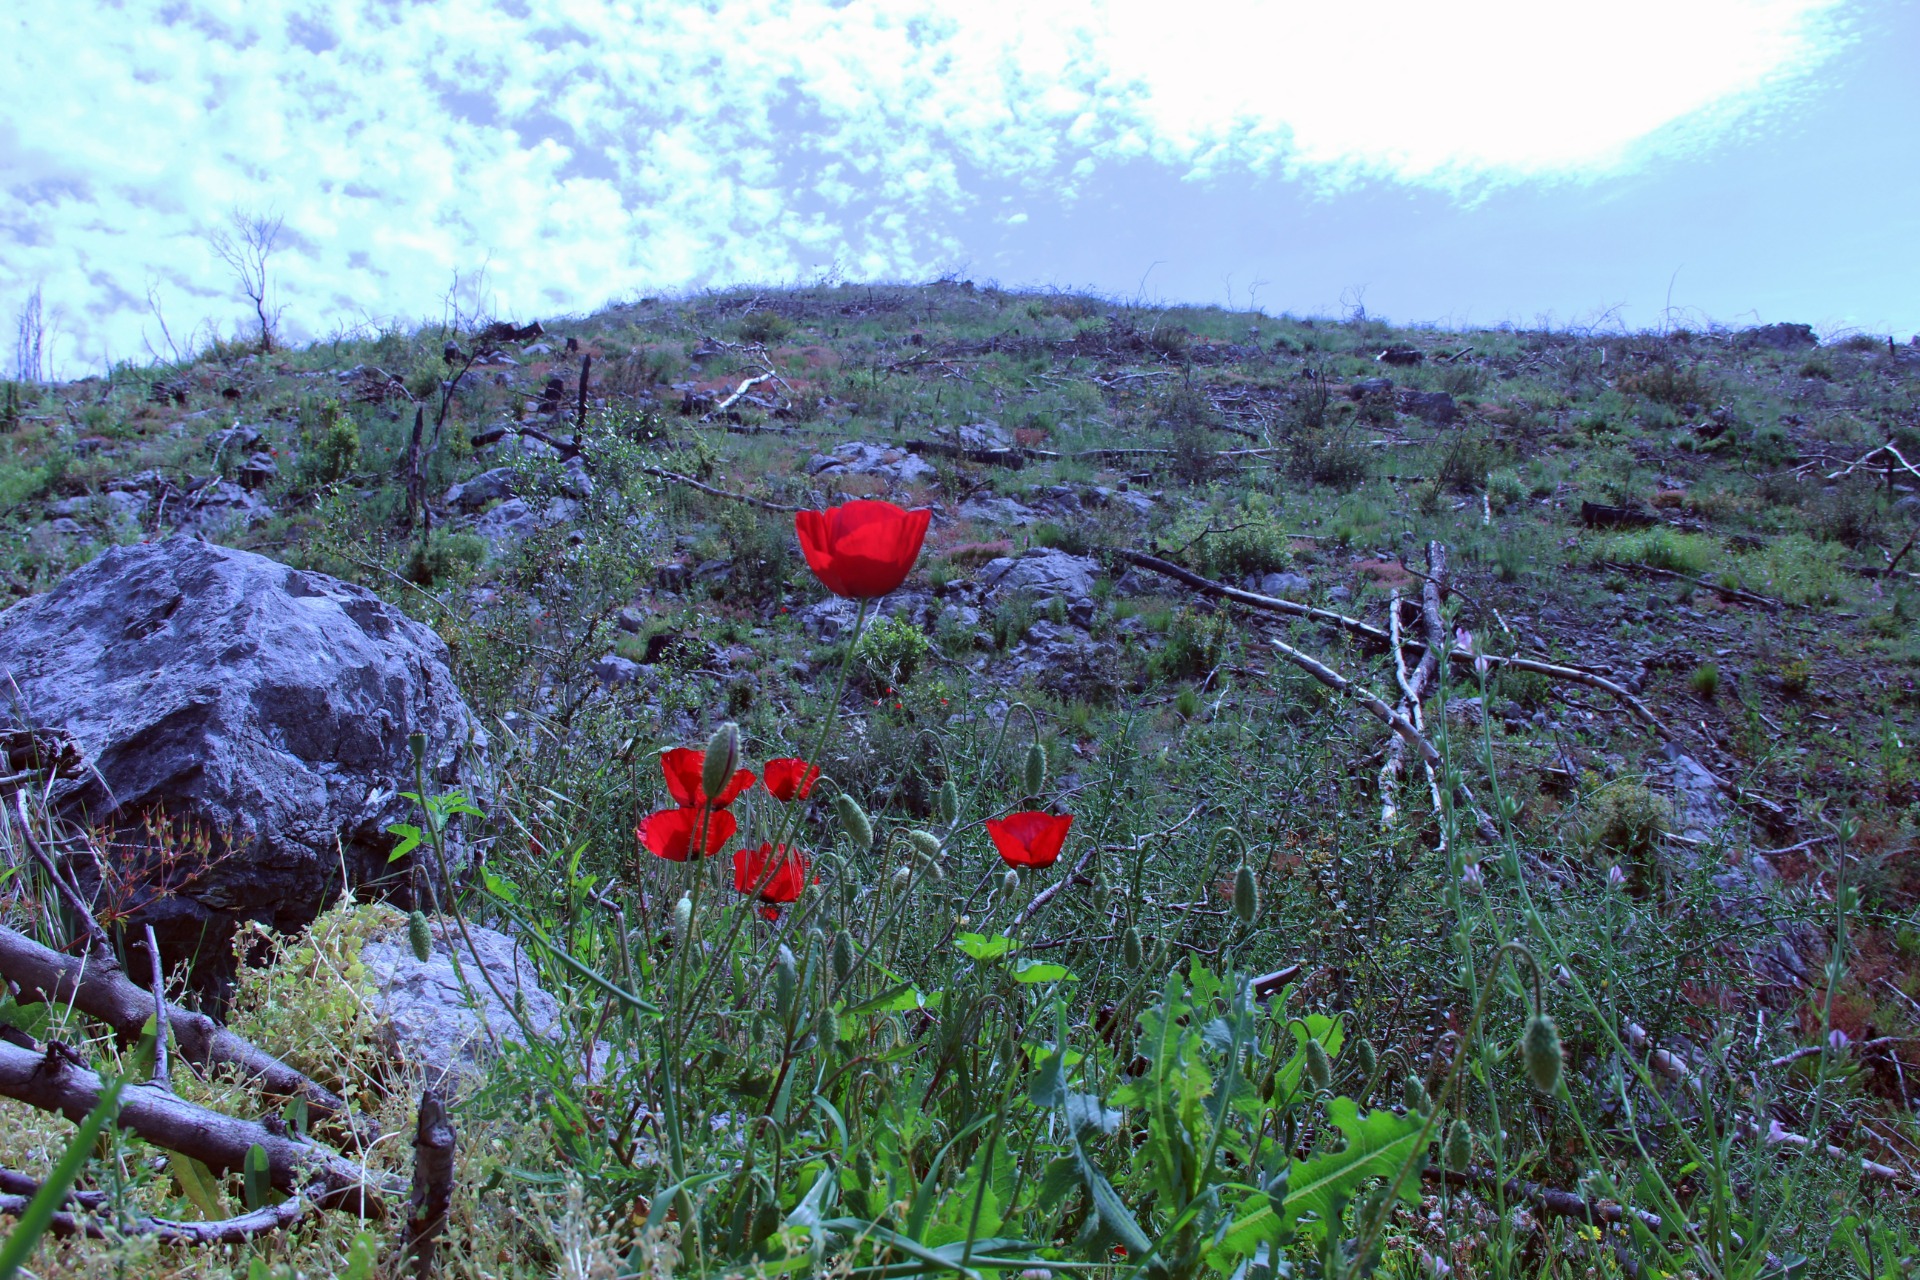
[(1793, 568), (1196, 644), (445, 556), (889, 653), (1705, 681), (764, 326), (333, 446), (1627, 819)]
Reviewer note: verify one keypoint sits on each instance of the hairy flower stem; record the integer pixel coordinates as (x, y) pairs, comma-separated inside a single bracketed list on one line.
[(789, 820)]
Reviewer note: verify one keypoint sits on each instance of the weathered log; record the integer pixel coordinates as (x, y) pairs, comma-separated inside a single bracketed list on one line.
[(53, 1079), (97, 987), (432, 1192)]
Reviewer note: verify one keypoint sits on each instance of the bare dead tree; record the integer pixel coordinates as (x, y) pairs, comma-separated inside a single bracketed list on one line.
[(30, 336), (246, 248)]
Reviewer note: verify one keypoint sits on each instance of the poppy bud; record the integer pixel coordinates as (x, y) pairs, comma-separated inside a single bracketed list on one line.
[(1319, 1066), (949, 802), (1036, 769), (1541, 1048), (1246, 895), (826, 1028), (739, 969), (1369, 1058), (1009, 881), (902, 877), (842, 955), (420, 937), (1415, 1095), (1459, 1151), (853, 821), (1100, 895), (925, 843), (417, 747), (723, 757), (1130, 949), (786, 980)]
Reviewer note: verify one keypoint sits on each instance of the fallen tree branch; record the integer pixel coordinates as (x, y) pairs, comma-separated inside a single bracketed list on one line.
[(1548, 1200), (1376, 636), (691, 483), (52, 1079), (745, 386), (97, 987), (1731, 593), (67, 1223)]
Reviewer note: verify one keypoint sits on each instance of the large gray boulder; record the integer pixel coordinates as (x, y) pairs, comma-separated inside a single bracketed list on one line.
[(1042, 571), (244, 731), (444, 1021)]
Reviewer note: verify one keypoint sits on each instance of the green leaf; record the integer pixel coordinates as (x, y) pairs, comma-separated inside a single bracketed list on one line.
[(1047, 1086), (20, 1242), (256, 1177), (980, 947), (198, 1185), (409, 840), (893, 1000), (1031, 971), (1378, 1144), (1113, 1212)]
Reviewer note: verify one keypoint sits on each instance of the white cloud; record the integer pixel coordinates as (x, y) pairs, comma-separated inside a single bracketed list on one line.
[(588, 148)]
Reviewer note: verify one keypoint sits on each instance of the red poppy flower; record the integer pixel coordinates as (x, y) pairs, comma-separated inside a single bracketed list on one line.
[(670, 833), (861, 548), (785, 874), (789, 777), (1030, 839), (684, 766)]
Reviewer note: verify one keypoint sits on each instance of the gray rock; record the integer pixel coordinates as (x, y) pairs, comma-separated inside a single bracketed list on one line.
[(488, 486), (1286, 586), (985, 434), (1340, 595), (516, 519), (826, 620), (858, 458), (1066, 661), (217, 508), (239, 438), (261, 709), (1431, 406), (612, 669), (1370, 387), (258, 470), (998, 511), (1778, 337), (1042, 571), (443, 1027)]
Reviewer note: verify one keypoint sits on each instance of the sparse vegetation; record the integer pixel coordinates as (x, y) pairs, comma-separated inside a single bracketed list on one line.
[(1243, 1024)]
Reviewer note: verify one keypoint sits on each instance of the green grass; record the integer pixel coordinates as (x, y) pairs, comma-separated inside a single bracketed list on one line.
[(942, 1064)]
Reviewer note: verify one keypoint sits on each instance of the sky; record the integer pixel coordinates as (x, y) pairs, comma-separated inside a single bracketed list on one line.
[(1637, 164)]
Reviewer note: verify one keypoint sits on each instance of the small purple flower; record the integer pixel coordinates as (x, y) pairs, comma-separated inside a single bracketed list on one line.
[(1838, 1040), (1473, 880), (1616, 878)]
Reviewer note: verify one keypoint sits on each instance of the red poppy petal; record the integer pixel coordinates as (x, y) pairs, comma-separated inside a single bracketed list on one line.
[(742, 779), (669, 833), (1030, 838), (790, 777), (862, 548), (682, 767), (720, 828)]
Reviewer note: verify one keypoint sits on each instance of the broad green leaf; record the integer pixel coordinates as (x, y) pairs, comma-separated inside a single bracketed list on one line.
[(1031, 971), (893, 1000), (409, 840), (1378, 1144), (980, 947), (198, 1185)]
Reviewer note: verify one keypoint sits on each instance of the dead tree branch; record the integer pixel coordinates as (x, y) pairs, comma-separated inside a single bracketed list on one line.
[(17, 1191), (676, 478), (432, 1193), (52, 1079), (98, 988)]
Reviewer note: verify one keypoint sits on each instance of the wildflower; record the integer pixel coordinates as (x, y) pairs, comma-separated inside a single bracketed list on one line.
[(1030, 839), (670, 833), (1838, 1040), (780, 875), (1616, 878), (1473, 880), (861, 549), (790, 778)]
